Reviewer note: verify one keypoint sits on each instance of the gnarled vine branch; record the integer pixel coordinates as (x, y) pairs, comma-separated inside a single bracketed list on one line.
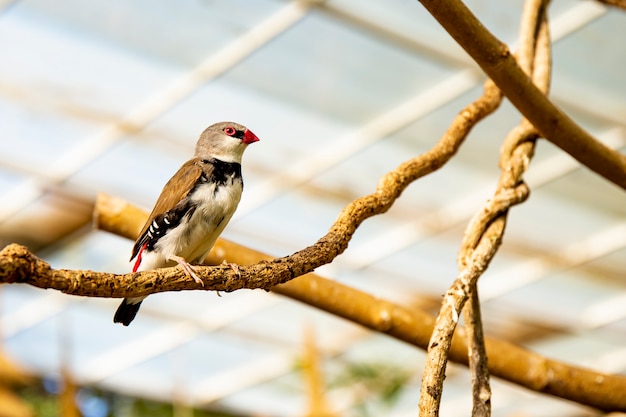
[(485, 231)]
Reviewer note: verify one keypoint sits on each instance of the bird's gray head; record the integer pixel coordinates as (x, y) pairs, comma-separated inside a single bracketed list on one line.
[(225, 141)]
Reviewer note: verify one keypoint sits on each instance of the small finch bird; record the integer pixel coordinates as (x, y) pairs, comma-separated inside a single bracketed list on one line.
[(193, 208)]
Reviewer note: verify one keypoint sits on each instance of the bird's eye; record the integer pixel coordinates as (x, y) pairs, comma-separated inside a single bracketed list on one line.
[(230, 131)]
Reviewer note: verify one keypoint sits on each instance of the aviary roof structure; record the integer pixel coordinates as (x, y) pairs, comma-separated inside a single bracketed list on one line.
[(111, 97)]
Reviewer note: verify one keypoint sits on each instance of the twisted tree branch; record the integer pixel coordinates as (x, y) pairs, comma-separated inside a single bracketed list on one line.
[(484, 234)]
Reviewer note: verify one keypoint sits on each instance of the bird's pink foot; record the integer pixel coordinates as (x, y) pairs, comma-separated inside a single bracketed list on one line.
[(234, 267), (188, 268)]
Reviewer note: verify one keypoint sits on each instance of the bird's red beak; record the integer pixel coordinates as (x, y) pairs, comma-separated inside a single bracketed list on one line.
[(249, 137)]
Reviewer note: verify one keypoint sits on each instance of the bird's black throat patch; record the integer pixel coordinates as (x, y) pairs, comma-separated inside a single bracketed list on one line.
[(223, 172)]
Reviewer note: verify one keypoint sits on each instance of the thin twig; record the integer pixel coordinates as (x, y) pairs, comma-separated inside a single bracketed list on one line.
[(477, 357)]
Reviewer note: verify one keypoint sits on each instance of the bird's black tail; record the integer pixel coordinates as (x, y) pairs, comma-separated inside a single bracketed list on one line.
[(126, 312)]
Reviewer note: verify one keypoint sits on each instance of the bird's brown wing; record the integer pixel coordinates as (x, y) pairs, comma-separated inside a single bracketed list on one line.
[(173, 193)]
